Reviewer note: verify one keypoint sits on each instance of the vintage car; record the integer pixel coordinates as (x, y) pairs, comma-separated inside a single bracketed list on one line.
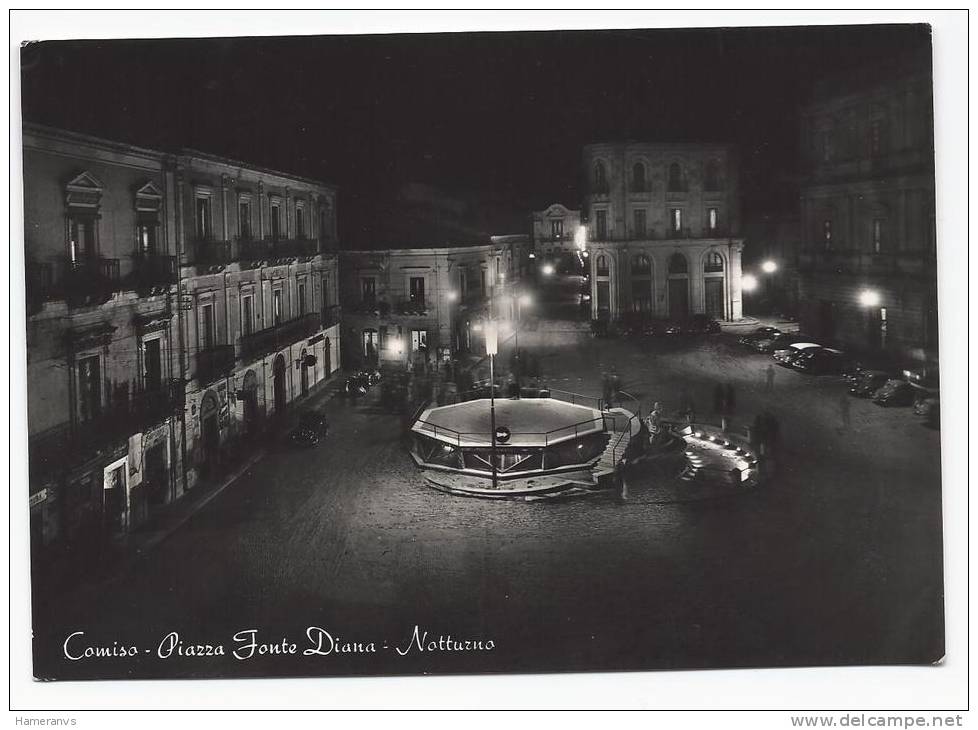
[(867, 382), (895, 392), (823, 361), (786, 356)]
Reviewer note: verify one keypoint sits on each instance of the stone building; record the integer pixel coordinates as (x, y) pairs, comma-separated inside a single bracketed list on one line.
[(555, 231), (259, 295), (401, 306), (104, 382), (868, 261), (174, 302), (663, 225)]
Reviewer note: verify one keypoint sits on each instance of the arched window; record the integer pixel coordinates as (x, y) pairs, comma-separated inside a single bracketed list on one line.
[(602, 265), (711, 175), (713, 263), (638, 177), (676, 178), (677, 264), (641, 265), (600, 177)]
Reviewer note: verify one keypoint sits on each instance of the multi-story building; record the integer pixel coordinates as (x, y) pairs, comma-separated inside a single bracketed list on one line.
[(174, 302), (868, 261), (663, 223), (258, 294), (403, 306), (104, 382), (555, 231)]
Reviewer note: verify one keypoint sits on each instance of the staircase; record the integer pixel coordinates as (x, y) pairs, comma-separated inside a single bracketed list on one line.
[(620, 437)]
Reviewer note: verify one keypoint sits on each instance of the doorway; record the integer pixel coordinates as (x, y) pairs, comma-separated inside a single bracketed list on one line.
[(278, 384), (714, 297), (154, 464), (303, 373), (210, 433), (679, 297)]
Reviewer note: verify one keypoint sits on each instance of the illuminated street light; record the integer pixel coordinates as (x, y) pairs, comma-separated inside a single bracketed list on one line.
[(869, 298), (526, 300), (580, 238), (769, 267), (451, 296), (532, 255), (748, 282), (548, 269)]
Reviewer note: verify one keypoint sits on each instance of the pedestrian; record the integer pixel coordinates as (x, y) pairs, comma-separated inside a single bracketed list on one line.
[(606, 391), (686, 406), (770, 377), (844, 406)]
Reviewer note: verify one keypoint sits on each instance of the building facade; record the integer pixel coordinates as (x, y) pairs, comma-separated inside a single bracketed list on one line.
[(259, 296), (104, 382), (663, 224), (869, 252), (175, 303), (555, 231), (407, 306)]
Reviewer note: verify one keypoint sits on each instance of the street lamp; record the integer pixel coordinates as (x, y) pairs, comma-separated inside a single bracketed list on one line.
[(869, 298), (492, 347), (769, 267), (548, 269), (748, 282)]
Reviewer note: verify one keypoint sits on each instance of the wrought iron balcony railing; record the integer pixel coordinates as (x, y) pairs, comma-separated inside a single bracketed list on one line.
[(214, 363), (331, 315), (152, 271), (277, 337), (90, 281)]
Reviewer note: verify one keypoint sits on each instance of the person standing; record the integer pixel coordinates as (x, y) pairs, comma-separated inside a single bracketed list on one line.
[(770, 377)]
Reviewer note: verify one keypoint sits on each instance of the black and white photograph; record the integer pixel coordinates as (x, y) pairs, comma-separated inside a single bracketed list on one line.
[(482, 352)]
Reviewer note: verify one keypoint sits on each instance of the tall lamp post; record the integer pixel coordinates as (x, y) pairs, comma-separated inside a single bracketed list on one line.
[(492, 346)]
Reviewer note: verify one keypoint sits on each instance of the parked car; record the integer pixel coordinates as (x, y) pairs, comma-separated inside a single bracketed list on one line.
[(895, 392), (867, 382), (700, 324), (314, 421), (823, 361), (778, 342), (785, 356), (761, 333)]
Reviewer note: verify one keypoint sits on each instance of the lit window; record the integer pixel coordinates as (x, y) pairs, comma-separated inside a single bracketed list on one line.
[(877, 235), (602, 265), (676, 219), (203, 219), (827, 233), (713, 219), (557, 230), (713, 263), (641, 265)]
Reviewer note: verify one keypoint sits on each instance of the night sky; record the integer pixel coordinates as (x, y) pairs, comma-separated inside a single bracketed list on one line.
[(501, 113)]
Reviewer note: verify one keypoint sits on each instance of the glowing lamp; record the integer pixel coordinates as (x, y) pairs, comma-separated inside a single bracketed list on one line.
[(869, 298), (492, 339), (769, 267), (451, 296), (548, 269), (748, 282), (526, 300)]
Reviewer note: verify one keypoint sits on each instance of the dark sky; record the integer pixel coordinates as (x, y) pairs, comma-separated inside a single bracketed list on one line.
[(499, 112)]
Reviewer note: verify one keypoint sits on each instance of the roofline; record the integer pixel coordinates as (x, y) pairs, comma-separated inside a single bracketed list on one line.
[(69, 135), (417, 250), (231, 162)]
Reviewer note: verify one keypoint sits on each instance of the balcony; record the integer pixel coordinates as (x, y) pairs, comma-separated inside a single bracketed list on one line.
[(40, 285), (210, 251), (214, 363), (274, 248), (153, 272), (412, 307), (90, 281), (277, 337), (330, 315)]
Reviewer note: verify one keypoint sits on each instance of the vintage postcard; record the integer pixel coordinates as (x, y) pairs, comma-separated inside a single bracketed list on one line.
[(509, 352)]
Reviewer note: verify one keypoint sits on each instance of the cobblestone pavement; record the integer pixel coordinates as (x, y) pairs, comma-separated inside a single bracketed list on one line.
[(836, 560)]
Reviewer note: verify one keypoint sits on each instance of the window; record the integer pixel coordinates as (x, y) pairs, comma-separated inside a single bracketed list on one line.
[(638, 177), (89, 389), (370, 343), (152, 365), (600, 178), (827, 233), (368, 290), (203, 210), (300, 223), (601, 223), (277, 307), (275, 220), (247, 314), (713, 219), (557, 230), (877, 235), (641, 266), (640, 224), (482, 280), (677, 264), (602, 265), (876, 138), (301, 297), (676, 219), (675, 184), (244, 220), (81, 235), (462, 282), (417, 289), (147, 225), (713, 263), (419, 340), (641, 295), (207, 333), (711, 175)]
